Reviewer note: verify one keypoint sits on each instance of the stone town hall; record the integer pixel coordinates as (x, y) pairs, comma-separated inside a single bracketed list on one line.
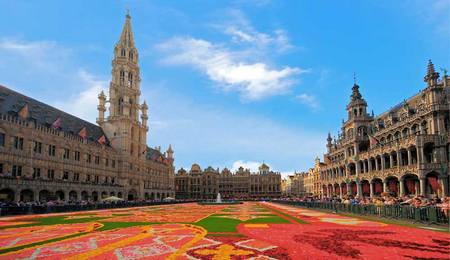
[(48, 154)]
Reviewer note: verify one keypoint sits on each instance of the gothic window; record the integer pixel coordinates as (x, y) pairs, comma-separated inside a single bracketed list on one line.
[(131, 55), (122, 77), (130, 79), (414, 129), (120, 106), (122, 52), (18, 143), (424, 127), (405, 132)]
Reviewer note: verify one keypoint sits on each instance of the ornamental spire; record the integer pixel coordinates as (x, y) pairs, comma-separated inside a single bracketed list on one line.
[(126, 37), (432, 76)]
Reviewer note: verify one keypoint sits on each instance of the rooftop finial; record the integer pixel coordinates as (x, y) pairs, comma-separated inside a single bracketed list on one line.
[(354, 78), (128, 13), (432, 76)]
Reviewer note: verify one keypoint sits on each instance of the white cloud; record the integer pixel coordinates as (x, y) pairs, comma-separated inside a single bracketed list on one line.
[(242, 31), (213, 136), (47, 71), (197, 132), (84, 103), (253, 80), (309, 100)]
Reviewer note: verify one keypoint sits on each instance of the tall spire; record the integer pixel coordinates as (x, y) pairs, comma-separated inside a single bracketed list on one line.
[(432, 76), (126, 37)]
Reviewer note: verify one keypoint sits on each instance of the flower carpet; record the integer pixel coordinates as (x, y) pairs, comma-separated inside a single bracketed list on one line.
[(190, 231)]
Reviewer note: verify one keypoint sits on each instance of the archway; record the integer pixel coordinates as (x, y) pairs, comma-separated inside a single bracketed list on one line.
[(352, 169), (73, 196), (6, 195), (411, 184), (104, 195), (84, 196), (392, 185), (112, 193), (432, 183), (60, 195), (132, 195), (94, 196), (27, 195), (365, 185), (119, 194), (377, 186), (44, 196), (353, 188)]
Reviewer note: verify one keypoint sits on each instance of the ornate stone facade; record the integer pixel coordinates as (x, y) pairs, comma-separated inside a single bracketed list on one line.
[(402, 151), (48, 154), (198, 184), (296, 184)]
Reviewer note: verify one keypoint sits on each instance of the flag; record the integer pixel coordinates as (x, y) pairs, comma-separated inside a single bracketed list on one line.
[(57, 123), (433, 181), (373, 141), (101, 139), (23, 113), (83, 133)]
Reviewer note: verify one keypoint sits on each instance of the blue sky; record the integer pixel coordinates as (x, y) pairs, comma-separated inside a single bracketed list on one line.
[(229, 82)]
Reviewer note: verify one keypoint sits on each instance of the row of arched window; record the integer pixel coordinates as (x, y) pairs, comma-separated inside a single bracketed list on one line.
[(122, 78), (130, 54)]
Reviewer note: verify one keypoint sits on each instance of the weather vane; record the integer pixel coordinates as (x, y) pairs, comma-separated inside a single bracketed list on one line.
[(354, 78)]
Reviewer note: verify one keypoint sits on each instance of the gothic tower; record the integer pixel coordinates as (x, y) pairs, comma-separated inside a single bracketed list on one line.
[(123, 128)]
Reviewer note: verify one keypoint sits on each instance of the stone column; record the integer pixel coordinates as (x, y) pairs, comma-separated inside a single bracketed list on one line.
[(357, 168), (417, 187), (420, 155), (349, 189), (340, 191), (377, 166), (371, 184), (409, 157), (422, 186), (359, 189), (391, 161), (364, 166), (401, 184), (399, 159), (385, 186), (383, 166), (445, 187), (369, 165)]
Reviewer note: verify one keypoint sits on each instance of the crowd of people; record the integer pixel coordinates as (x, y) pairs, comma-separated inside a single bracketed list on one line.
[(383, 199)]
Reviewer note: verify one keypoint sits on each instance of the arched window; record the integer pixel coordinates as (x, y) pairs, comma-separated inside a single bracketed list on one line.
[(130, 79), (131, 55), (120, 106), (122, 77), (122, 52)]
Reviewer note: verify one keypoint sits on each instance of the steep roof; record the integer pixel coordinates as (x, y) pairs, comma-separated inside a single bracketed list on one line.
[(11, 102)]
